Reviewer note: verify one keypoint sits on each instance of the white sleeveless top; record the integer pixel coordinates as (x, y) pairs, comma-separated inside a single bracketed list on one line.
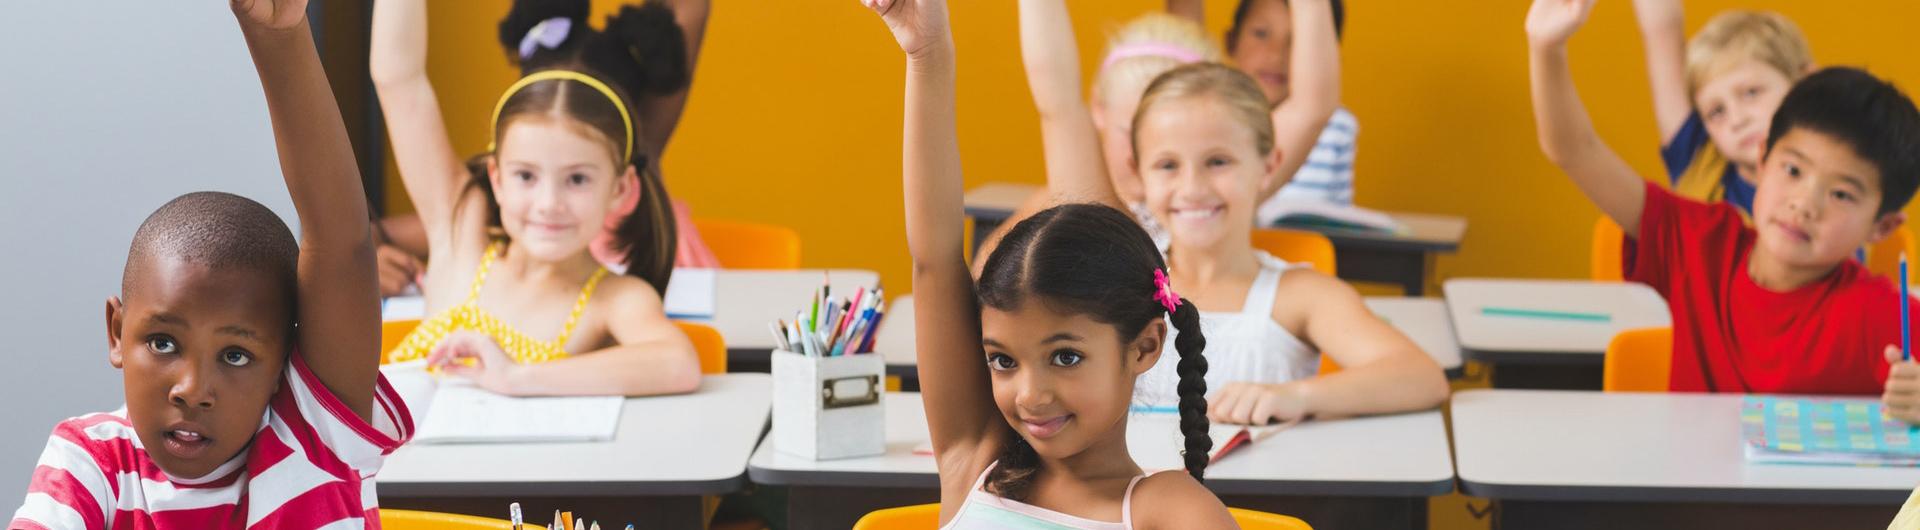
[(1242, 346), (986, 511)]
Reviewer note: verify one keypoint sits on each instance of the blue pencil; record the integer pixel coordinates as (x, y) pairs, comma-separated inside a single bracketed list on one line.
[(1906, 324)]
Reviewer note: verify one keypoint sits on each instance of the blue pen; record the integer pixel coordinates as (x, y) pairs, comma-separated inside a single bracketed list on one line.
[(1906, 324)]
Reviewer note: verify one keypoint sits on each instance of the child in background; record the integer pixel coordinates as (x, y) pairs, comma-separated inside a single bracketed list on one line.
[(1027, 385), (1204, 145), (1777, 307), (509, 233), (1714, 96), (253, 393), (538, 34), (1261, 43)]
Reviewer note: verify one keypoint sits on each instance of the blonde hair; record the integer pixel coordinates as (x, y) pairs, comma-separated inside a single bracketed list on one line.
[(1183, 41), (1225, 84), (1738, 36)]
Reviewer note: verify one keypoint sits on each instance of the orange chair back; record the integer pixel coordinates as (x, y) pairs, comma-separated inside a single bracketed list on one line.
[(1252, 520), (708, 343), (1638, 360), (1883, 257), (927, 517), (413, 520), (1296, 246), (1607, 238), (392, 332), (744, 245)]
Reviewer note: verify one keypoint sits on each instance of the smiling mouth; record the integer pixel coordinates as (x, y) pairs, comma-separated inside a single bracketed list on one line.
[(1046, 428), (1797, 234), (1198, 214)]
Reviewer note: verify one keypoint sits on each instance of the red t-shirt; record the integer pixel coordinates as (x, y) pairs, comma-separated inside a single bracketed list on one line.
[(1730, 335)]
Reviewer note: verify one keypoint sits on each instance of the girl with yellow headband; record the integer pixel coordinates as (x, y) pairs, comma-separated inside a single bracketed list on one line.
[(516, 300)]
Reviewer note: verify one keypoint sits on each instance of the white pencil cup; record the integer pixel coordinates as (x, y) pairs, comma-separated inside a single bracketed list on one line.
[(829, 407)]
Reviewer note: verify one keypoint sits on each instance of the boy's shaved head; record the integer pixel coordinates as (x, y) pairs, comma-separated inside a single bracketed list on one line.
[(215, 230)]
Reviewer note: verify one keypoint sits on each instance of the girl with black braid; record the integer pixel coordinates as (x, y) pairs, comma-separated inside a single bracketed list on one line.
[(1027, 376)]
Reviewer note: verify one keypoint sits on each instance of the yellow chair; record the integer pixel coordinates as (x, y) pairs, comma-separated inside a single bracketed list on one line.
[(1296, 246), (1638, 360), (744, 245), (392, 332), (1607, 238), (413, 520), (1883, 257), (709, 344), (927, 517)]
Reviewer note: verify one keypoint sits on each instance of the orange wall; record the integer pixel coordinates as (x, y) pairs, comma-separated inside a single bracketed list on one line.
[(795, 114)]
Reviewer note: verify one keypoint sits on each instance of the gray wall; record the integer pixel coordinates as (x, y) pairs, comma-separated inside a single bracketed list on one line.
[(107, 110)]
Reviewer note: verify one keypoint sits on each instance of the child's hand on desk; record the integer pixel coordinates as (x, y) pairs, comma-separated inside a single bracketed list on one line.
[(1259, 403), (1902, 398), (476, 356), (1552, 22), (271, 14)]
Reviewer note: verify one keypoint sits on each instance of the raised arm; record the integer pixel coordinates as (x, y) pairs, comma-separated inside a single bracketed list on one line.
[(1314, 93), (954, 383), (663, 113), (1566, 133), (1664, 36), (1076, 171), (433, 173), (339, 298)]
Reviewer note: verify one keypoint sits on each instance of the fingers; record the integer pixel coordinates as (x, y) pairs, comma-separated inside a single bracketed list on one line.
[(397, 270), (1894, 355), (1220, 408)]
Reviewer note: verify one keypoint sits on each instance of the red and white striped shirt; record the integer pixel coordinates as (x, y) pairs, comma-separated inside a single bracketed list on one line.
[(310, 466)]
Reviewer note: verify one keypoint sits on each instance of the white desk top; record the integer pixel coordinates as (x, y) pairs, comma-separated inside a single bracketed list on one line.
[(1424, 320), (693, 444), (1548, 340), (745, 301), (1391, 456), (1638, 447)]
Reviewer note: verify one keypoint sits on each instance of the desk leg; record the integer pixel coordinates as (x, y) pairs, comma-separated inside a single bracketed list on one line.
[(1405, 268), (1341, 512), (643, 512), (1564, 515), (837, 508)]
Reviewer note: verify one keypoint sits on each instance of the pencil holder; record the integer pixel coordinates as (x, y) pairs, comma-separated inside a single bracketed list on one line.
[(829, 407)]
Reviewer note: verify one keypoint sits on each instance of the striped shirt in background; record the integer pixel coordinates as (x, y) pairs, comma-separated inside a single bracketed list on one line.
[(310, 466), (1328, 174)]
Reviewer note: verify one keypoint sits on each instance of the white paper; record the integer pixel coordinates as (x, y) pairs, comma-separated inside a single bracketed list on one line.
[(690, 294), (403, 307), (1310, 213), (451, 410)]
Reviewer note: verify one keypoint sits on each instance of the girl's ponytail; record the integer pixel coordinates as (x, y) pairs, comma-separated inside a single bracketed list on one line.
[(1192, 387)]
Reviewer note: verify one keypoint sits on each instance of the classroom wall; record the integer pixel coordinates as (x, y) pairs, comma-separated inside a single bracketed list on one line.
[(795, 114), (107, 111)]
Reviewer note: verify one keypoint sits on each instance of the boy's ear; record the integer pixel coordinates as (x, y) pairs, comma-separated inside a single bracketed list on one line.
[(1144, 352), (114, 314), (1886, 225)]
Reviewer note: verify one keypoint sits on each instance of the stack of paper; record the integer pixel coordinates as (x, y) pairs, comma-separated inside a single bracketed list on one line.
[(690, 294), (1787, 430)]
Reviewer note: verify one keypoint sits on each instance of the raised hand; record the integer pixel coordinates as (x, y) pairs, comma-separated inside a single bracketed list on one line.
[(271, 14), (1552, 22), (915, 23)]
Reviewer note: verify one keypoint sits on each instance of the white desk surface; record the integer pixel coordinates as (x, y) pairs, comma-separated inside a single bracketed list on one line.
[(1424, 320), (1638, 447), (1403, 455), (692, 444), (745, 301), (1629, 305)]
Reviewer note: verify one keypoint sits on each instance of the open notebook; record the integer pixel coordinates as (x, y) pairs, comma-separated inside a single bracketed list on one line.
[(1793, 430), (451, 410)]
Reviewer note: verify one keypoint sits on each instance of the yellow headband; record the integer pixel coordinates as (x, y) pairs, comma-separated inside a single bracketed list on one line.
[(625, 119)]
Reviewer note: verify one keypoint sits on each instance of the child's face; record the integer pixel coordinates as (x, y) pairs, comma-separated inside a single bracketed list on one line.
[(1817, 202), (1264, 47), (1064, 381), (200, 351), (1114, 117), (1737, 108), (555, 182), (1201, 170)]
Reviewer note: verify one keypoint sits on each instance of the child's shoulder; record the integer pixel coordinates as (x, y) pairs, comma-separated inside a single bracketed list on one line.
[(1174, 499), (621, 289)]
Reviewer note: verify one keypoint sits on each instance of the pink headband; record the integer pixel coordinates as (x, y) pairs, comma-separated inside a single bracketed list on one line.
[(1163, 291), (1150, 49)]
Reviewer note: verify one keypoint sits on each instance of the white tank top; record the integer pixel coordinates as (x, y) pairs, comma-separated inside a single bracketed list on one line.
[(1242, 346)]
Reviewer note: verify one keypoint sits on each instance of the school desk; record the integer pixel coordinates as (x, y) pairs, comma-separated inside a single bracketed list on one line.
[(1357, 473), (1547, 333), (1368, 256), (1425, 320), (668, 453), (745, 301), (1574, 460)]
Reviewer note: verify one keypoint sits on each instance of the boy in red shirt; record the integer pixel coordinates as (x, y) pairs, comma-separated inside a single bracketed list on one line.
[(1779, 307)]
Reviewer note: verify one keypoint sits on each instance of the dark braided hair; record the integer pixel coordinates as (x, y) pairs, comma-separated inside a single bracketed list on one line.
[(1096, 261)]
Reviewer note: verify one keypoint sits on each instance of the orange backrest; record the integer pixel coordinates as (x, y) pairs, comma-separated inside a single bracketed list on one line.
[(927, 517), (1296, 246), (391, 519), (709, 344), (744, 245), (1607, 238), (1638, 360), (1883, 257), (392, 332), (1252, 520)]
